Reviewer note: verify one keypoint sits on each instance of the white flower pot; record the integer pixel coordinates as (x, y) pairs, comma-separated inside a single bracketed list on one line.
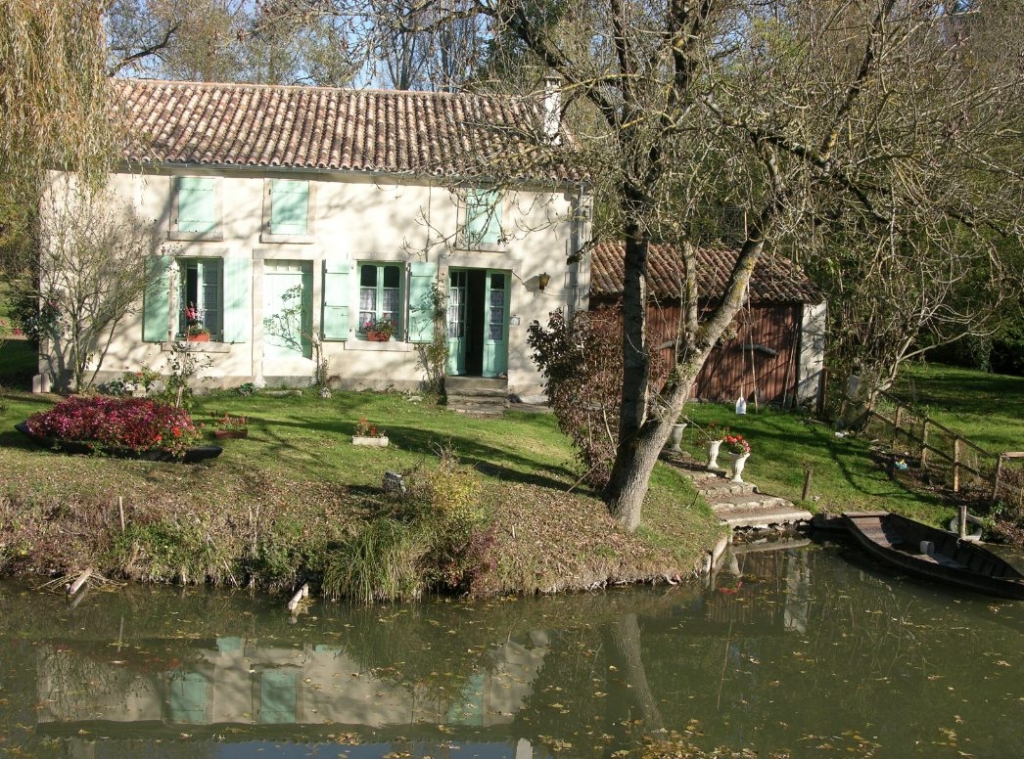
[(375, 442), (676, 437), (712, 451), (738, 461)]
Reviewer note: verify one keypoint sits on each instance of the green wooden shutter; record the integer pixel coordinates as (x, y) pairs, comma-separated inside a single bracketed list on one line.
[(156, 301), (197, 204), (237, 299), (289, 207), (422, 276), (483, 217), (336, 286)]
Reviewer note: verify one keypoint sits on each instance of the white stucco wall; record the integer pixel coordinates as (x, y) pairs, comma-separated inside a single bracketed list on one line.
[(359, 219), (811, 363)]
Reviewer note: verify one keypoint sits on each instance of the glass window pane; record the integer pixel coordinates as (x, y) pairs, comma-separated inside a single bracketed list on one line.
[(368, 275), (392, 276)]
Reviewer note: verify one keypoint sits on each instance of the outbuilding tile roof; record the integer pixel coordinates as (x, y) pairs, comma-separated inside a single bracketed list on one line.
[(774, 281), (413, 133)]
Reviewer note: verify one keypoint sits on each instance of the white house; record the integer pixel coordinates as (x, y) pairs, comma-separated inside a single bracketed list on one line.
[(293, 215)]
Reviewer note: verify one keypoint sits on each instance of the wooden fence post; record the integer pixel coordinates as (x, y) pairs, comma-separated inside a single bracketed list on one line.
[(896, 425), (956, 465), (995, 477), (924, 443)]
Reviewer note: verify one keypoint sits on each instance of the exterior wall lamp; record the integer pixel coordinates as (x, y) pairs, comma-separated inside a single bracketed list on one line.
[(543, 280)]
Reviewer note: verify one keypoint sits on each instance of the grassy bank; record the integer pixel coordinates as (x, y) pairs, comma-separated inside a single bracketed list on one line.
[(274, 508), (297, 501)]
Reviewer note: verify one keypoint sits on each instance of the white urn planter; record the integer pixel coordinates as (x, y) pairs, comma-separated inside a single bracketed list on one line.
[(738, 461), (676, 437), (712, 451), (374, 442)]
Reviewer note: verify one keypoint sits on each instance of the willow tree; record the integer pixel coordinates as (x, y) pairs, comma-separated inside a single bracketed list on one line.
[(54, 110), (54, 101)]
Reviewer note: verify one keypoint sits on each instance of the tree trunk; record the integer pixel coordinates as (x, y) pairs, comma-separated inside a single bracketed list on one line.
[(627, 639)]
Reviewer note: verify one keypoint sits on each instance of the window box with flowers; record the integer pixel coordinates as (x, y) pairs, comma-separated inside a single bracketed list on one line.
[(379, 330), (195, 332), (369, 435)]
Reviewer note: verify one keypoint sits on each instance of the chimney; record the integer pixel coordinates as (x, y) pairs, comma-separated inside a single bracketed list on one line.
[(553, 107)]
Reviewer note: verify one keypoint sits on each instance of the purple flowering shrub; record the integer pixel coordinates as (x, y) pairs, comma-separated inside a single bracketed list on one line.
[(141, 424)]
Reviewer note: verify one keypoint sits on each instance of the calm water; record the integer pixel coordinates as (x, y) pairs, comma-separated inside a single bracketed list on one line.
[(803, 652)]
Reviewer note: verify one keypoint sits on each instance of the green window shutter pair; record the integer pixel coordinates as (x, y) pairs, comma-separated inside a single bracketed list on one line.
[(289, 207), (236, 297), (197, 204), (483, 217), (336, 296)]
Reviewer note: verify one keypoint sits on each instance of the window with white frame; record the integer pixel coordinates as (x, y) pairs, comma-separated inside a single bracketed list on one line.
[(196, 211), (380, 296), (482, 225), (201, 296)]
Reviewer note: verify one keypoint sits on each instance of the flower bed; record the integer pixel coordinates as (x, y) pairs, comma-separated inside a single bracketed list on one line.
[(118, 426)]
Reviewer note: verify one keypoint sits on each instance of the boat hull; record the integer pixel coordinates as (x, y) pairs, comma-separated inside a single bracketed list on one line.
[(934, 554)]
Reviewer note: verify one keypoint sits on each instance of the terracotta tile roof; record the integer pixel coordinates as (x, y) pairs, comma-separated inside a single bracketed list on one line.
[(413, 133), (774, 281)]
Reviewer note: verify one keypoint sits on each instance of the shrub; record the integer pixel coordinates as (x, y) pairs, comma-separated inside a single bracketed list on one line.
[(581, 363), (381, 563), (140, 424), (434, 537)]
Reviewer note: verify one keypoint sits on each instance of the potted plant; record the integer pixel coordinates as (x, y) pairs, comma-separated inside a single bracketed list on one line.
[(194, 330), (710, 438), (379, 330), (738, 450), (228, 426), (369, 434)]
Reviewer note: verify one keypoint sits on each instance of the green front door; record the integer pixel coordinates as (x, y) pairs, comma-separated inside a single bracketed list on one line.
[(287, 309), (478, 310), (495, 360)]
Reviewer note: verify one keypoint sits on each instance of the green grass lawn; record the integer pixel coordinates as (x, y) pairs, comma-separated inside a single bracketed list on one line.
[(272, 504)]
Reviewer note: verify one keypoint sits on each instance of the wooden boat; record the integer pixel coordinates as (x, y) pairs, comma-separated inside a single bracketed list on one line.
[(934, 554)]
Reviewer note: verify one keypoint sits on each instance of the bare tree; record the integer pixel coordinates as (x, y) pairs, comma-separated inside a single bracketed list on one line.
[(92, 273), (792, 113)]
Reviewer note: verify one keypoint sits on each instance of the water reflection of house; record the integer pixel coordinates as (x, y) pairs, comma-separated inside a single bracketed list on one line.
[(242, 682)]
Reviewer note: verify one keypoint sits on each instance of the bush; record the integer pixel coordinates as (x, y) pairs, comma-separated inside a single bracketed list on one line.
[(381, 563), (581, 363), (140, 424), (433, 536)]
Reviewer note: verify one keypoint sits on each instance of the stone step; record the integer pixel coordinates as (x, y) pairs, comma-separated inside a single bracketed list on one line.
[(747, 503), (478, 393), (480, 405), (723, 487), (473, 385), (762, 519)]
